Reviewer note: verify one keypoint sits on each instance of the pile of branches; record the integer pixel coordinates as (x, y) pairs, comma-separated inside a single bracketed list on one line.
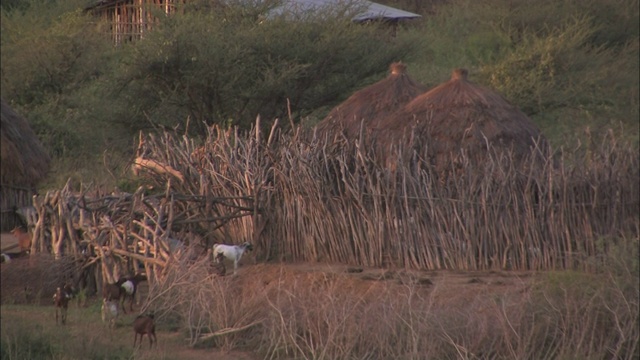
[(120, 233)]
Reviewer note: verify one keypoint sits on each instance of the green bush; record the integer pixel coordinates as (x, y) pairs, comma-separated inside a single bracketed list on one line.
[(226, 66), (52, 56), (571, 65), (554, 71), (31, 343)]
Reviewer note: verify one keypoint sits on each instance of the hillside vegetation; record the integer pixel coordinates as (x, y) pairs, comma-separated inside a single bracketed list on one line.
[(571, 65), (356, 256)]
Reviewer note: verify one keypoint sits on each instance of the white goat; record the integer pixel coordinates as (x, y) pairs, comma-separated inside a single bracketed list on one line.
[(231, 252), (109, 312)]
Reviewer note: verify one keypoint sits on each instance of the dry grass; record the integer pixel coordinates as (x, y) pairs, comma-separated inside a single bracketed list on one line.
[(278, 311), (289, 312)]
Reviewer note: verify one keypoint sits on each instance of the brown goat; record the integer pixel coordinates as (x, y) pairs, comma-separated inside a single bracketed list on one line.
[(142, 325), (61, 301), (114, 292), (24, 238)]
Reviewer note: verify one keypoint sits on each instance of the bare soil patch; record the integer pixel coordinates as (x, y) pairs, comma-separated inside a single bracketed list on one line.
[(8, 242)]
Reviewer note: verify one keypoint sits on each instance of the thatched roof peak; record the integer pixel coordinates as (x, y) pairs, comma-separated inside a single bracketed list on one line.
[(460, 74), (397, 68), (373, 103), (459, 91)]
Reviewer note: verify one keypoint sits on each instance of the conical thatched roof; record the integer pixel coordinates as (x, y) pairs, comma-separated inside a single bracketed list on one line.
[(457, 115), (24, 161), (373, 103)]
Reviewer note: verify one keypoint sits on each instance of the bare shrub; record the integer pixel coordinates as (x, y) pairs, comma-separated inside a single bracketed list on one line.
[(206, 304), (280, 312)]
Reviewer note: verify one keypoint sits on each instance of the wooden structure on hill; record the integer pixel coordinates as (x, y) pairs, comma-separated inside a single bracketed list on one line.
[(24, 163), (130, 19)]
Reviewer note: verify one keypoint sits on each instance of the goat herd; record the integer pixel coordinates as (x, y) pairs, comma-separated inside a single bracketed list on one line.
[(112, 294), (116, 294), (126, 288)]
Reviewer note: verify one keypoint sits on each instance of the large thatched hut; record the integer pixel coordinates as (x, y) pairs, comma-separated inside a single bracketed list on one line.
[(459, 117), (368, 106), (24, 162)]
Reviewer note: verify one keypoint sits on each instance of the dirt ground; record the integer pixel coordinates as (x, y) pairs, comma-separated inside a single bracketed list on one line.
[(8, 242), (454, 284)]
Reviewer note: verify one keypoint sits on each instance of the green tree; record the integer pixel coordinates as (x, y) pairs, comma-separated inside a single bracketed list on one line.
[(227, 65), (52, 56)]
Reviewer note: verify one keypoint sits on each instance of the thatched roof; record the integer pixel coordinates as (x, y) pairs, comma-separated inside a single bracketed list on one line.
[(373, 103), (457, 115), (24, 161)]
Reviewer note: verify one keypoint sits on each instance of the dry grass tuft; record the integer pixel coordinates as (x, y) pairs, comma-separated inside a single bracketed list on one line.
[(287, 312), (34, 279)]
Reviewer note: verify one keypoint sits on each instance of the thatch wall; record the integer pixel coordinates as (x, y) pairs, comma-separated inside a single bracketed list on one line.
[(460, 118), (24, 163), (369, 105)]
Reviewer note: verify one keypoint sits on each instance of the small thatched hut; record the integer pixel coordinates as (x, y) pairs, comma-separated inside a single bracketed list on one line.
[(457, 116), (24, 162), (371, 104)]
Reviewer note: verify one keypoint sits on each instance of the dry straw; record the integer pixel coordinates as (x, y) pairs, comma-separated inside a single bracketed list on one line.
[(367, 106), (24, 160), (23, 163), (460, 115)]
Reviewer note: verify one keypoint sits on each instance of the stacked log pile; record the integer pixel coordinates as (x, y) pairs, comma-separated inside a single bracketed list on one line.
[(123, 232)]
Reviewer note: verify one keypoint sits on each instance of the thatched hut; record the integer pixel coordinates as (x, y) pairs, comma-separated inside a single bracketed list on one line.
[(373, 103), (459, 116), (24, 162)]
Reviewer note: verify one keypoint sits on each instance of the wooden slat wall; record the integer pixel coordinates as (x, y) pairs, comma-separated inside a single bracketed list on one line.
[(131, 19), (12, 197)]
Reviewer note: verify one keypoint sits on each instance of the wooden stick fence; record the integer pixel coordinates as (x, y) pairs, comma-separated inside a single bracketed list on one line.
[(331, 200), (298, 198)]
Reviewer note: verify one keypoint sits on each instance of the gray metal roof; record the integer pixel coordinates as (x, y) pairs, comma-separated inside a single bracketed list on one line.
[(363, 10)]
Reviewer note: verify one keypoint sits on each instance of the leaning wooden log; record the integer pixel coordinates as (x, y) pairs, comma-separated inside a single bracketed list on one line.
[(159, 168), (223, 332), (145, 259)]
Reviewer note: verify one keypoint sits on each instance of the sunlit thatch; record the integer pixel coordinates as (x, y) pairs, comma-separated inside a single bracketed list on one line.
[(24, 160), (367, 106), (460, 116), (23, 163)]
